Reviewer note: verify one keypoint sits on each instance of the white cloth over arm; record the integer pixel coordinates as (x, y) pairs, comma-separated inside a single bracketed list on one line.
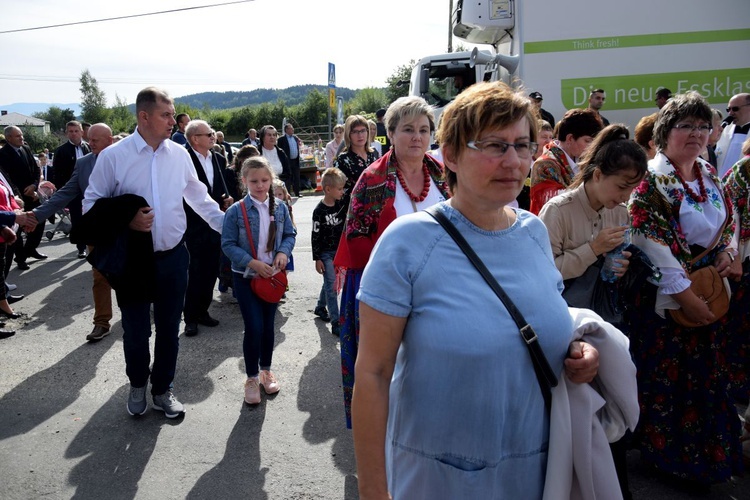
[(585, 418)]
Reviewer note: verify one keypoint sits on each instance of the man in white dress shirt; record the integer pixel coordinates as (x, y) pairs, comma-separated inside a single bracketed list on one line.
[(729, 147), (149, 165)]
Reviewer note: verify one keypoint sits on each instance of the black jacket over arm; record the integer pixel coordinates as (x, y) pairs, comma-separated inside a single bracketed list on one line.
[(124, 256)]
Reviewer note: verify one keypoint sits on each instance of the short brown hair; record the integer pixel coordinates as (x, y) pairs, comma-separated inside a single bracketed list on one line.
[(148, 97), (644, 131), (483, 106), (579, 122), (679, 107)]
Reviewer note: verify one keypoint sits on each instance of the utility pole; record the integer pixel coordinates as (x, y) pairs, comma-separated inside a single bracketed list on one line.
[(450, 22)]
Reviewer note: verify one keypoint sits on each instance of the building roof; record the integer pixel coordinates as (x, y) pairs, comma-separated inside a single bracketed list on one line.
[(19, 120)]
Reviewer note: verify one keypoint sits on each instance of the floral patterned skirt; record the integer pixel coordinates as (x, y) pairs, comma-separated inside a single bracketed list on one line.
[(736, 327), (349, 321), (688, 425)]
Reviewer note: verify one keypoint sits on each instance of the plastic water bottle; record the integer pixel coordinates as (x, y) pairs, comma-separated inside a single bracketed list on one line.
[(610, 265)]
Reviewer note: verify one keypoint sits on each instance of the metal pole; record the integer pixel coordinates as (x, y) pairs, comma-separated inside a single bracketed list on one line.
[(450, 22)]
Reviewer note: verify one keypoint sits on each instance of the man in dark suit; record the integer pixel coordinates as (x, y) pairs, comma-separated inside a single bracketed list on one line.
[(291, 145), (21, 169), (100, 136), (66, 156), (203, 243)]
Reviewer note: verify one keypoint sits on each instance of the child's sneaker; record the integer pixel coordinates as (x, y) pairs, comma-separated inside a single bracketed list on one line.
[(252, 391), (322, 313)]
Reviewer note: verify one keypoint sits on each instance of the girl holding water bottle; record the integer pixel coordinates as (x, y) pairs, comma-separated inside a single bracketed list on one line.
[(589, 221)]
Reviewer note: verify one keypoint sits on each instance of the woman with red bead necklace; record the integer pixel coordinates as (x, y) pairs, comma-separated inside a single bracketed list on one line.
[(688, 427), (404, 180)]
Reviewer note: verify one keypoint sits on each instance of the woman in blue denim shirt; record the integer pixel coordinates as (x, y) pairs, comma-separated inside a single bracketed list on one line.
[(273, 236)]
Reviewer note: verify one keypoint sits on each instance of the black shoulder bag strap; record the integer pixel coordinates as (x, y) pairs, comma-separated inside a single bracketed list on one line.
[(544, 374)]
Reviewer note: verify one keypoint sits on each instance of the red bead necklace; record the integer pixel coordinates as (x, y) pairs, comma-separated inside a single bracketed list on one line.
[(698, 198), (425, 189)]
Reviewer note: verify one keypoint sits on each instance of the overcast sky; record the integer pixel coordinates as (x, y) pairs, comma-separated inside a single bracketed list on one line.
[(259, 44)]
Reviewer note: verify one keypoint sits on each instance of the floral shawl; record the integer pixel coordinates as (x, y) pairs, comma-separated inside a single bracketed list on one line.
[(371, 208), (550, 174), (737, 190), (654, 212)]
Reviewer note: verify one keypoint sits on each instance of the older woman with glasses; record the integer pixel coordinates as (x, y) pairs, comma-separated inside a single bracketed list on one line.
[(404, 180), (688, 426), (447, 403)]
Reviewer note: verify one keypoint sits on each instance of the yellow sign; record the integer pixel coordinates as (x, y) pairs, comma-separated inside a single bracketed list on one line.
[(332, 98)]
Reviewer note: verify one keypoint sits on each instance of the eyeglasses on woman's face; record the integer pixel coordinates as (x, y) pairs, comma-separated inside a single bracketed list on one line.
[(495, 148), (687, 128), (359, 131)]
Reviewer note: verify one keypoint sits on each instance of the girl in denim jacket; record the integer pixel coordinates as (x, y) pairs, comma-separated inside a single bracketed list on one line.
[(273, 236)]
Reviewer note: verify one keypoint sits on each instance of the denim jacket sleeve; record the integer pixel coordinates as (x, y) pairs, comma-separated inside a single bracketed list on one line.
[(286, 234), (234, 240)]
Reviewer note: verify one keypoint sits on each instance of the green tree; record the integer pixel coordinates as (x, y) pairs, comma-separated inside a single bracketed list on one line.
[(120, 117), (93, 100), (218, 119), (240, 121), (312, 111), (270, 114), (398, 82), (368, 100), (38, 140), (57, 117)]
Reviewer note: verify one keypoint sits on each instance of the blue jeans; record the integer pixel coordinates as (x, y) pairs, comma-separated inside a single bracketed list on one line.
[(327, 296), (258, 316), (171, 282)]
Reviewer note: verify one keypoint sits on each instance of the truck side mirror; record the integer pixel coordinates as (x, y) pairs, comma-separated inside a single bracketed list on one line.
[(424, 81)]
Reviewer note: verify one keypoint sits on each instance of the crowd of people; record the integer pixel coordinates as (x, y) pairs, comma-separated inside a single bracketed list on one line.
[(415, 248)]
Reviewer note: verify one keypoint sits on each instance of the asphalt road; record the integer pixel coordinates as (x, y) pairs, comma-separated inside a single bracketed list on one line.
[(65, 433)]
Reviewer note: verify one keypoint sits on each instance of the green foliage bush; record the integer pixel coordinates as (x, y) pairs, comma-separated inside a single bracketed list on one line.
[(38, 140)]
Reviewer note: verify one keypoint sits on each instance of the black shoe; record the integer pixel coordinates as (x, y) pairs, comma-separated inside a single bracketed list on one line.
[(4, 334), (9, 315), (82, 254), (98, 333), (36, 255), (207, 320), (322, 313), (12, 299), (191, 329), (22, 265)]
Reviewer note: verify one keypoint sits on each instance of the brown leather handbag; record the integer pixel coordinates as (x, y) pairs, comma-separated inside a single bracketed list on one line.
[(708, 286)]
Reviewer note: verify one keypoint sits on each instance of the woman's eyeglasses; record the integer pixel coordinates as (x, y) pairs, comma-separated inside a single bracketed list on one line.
[(496, 149), (687, 128)]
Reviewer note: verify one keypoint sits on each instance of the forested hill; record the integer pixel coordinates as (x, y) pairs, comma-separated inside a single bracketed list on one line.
[(290, 96)]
